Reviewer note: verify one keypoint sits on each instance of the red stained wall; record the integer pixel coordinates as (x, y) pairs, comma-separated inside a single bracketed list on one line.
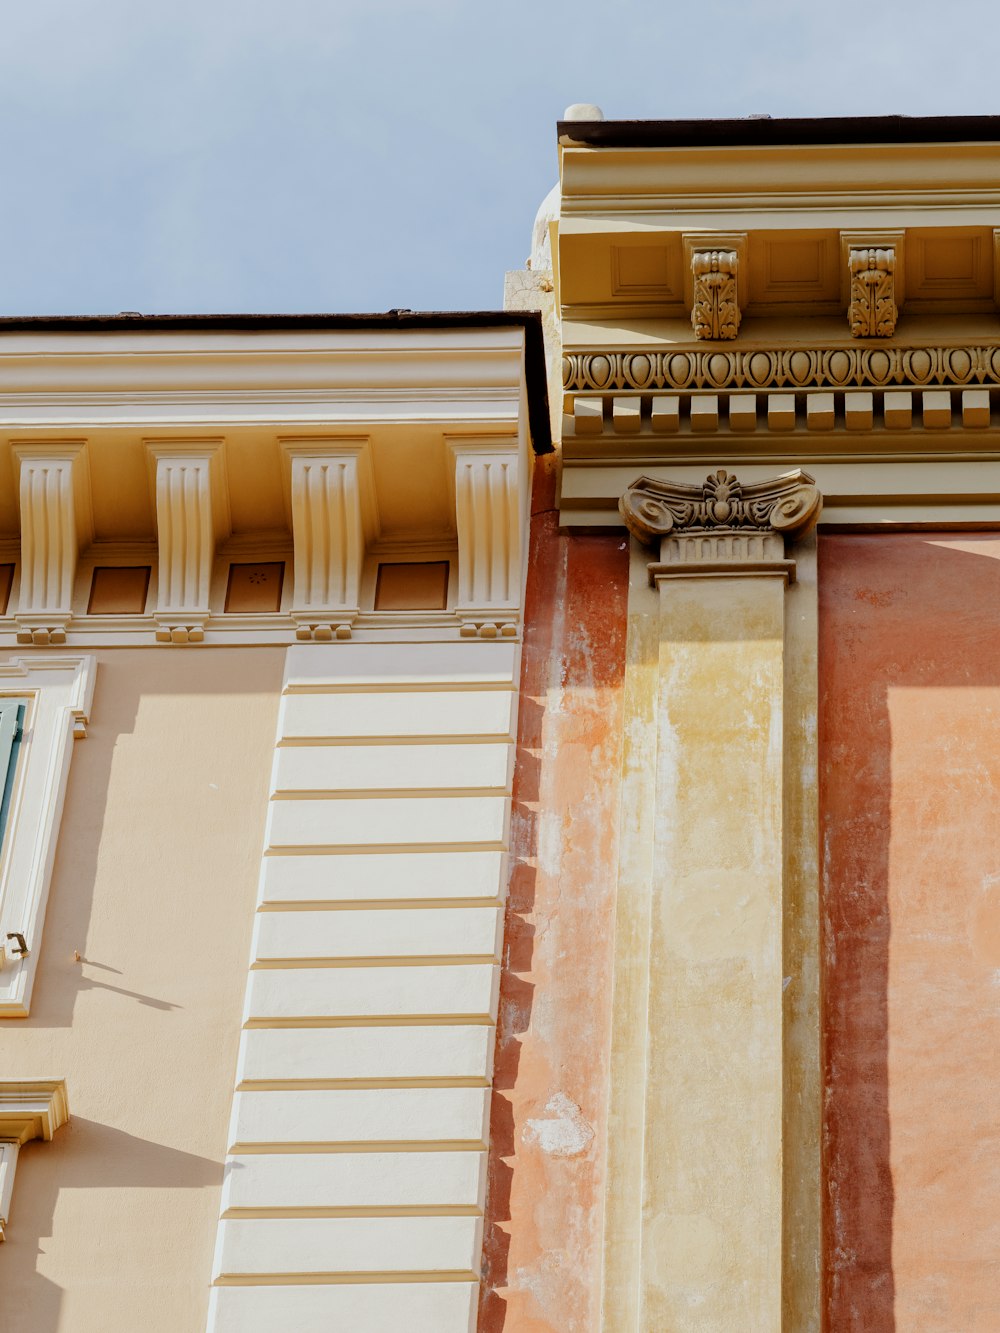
[(542, 1260), (910, 801)]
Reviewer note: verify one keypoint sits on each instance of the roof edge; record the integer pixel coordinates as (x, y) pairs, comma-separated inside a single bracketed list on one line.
[(764, 132)]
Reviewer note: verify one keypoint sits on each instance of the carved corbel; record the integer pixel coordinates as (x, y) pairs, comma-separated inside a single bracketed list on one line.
[(715, 312), (722, 527), (488, 517), (192, 513), (56, 520), (334, 515), (874, 279), (716, 264), (28, 1110), (872, 312)]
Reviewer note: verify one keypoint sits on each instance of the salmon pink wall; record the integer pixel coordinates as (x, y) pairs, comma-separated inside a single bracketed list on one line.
[(543, 1234), (910, 798)]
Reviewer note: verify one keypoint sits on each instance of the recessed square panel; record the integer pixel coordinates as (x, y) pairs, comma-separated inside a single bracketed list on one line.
[(642, 271), (793, 270), (118, 590), (255, 588), (948, 270), (414, 586), (6, 582), (951, 260)]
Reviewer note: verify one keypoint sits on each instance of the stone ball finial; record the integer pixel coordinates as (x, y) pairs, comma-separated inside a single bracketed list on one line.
[(583, 111)]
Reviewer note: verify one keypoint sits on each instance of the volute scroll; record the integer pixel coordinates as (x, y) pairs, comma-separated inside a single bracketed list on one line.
[(788, 505)]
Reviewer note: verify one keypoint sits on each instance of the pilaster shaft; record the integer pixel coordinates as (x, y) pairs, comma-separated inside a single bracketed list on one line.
[(54, 500), (332, 502), (488, 519), (708, 1253)]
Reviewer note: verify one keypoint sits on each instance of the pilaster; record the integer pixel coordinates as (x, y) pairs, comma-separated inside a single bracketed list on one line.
[(191, 514), (334, 514), (696, 1215), (488, 514), (56, 521)]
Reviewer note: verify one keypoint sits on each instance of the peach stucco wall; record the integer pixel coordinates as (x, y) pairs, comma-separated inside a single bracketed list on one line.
[(113, 1222), (910, 792), (542, 1261)]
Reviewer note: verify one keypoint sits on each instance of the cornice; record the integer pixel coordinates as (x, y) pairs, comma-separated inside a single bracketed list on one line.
[(836, 365), (32, 1109), (861, 132), (269, 367)]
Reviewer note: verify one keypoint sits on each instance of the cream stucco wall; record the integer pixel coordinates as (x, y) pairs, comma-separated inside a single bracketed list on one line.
[(113, 1222)]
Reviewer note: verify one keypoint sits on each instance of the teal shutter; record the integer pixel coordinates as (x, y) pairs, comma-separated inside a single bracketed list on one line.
[(11, 729)]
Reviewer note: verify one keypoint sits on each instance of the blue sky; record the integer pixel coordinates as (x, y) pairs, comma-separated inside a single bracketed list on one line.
[(327, 155)]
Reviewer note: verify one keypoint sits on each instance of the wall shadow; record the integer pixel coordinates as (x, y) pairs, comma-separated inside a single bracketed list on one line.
[(153, 887), (119, 689), (895, 612), (83, 1155)]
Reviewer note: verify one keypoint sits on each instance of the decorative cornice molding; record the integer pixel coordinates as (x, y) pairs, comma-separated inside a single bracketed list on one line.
[(32, 1109), (836, 367), (787, 506), (872, 311), (83, 669)]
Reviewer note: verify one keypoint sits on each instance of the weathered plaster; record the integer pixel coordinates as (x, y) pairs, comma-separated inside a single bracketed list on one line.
[(549, 1132), (910, 732)]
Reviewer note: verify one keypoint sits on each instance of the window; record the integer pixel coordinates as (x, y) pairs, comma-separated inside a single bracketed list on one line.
[(44, 706)]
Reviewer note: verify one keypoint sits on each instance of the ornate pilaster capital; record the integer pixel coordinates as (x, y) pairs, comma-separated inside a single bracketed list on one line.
[(872, 311), (715, 310), (723, 527)]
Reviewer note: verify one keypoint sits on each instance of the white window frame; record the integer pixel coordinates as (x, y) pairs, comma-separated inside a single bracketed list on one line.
[(59, 690)]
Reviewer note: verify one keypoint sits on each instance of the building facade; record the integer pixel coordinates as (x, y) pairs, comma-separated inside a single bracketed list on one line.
[(499, 828)]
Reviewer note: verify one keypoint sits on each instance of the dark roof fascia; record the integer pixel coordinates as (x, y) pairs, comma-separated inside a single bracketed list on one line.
[(766, 133), (529, 320)]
